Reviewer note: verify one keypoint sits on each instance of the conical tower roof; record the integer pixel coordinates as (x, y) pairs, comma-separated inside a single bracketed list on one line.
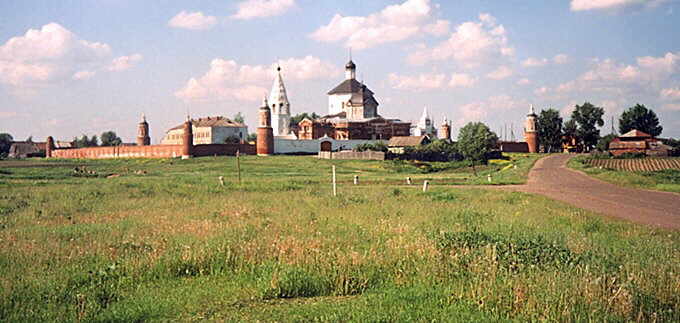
[(278, 94)]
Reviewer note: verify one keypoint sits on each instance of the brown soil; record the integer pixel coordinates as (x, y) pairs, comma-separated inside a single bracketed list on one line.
[(551, 177)]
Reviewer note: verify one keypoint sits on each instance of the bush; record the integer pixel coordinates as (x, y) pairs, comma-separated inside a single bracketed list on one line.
[(436, 151), (378, 146), (630, 156)]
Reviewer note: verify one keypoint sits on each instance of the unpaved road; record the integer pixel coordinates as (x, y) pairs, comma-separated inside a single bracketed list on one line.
[(551, 177)]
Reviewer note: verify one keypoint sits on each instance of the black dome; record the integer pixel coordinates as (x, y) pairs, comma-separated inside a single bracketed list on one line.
[(350, 65)]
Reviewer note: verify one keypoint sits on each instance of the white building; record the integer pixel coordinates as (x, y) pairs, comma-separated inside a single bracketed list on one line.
[(210, 130), (425, 126), (352, 97), (280, 106)]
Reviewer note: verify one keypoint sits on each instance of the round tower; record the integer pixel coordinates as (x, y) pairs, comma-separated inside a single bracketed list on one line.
[(143, 138), (265, 134), (530, 134), (49, 146), (187, 140), (445, 130)]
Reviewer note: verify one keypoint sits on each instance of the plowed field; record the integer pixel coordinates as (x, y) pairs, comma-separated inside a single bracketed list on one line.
[(637, 165)]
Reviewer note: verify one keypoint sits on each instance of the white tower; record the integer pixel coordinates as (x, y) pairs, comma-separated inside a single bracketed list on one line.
[(280, 107), (425, 125)]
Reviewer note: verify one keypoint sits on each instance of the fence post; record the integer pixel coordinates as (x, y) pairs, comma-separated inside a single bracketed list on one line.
[(335, 190), (221, 178), (238, 165), (425, 185), (408, 181), (356, 179), (488, 178)]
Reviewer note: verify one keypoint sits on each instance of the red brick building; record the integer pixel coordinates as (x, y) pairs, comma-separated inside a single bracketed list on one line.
[(340, 128), (636, 141)]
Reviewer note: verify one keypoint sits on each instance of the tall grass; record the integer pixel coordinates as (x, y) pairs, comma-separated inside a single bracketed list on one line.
[(173, 244)]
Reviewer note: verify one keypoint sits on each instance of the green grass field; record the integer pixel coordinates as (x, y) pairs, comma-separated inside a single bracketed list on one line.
[(163, 240), (664, 180)]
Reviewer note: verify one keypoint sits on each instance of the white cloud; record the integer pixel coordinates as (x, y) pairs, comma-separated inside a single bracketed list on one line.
[(192, 20), (250, 9), (541, 91), (502, 72), (393, 23), (671, 93), (45, 55), (124, 62), (582, 5), (478, 111), (83, 75), (672, 106), (462, 80), (534, 62), (561, 59), (227, 80), (471, 44), (416, 83), (524, 81), (7, 114)]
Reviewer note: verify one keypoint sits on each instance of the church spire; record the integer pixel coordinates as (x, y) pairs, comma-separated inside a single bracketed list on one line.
[(278, 96)]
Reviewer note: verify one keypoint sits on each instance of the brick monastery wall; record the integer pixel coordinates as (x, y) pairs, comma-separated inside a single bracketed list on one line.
[(153, 151), (348, 154)]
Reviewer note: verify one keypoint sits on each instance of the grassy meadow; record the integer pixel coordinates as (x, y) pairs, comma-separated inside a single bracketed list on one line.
[(662, 180), (157, 240)]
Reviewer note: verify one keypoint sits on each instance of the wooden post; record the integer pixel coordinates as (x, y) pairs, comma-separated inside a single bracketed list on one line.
[(425, 184), (221, 178), (408, 181), (356, 179), (335, 189), (238, 166), (488, 178)]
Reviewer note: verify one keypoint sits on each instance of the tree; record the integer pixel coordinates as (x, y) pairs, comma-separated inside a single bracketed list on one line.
[(109, 138), (603, 143), (588, 117), (475, 142), (238, 117), (300, 116), (5, 143), (251, 137), (29, 139), (640, 118), (84, 141), (549, 127)]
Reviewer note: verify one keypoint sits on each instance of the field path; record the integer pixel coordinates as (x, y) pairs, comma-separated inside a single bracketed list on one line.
[(551, 177)]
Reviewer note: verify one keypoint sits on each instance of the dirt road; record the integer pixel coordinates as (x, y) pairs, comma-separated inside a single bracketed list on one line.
[(551, 177)]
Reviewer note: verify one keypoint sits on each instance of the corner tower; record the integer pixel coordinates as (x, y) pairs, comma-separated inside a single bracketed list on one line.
[(187, 139), (530, 134), (143, 138), (445, 130), (265, 134), (280, 106)]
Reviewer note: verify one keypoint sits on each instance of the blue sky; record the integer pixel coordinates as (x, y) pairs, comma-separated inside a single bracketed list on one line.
[(74, 67)]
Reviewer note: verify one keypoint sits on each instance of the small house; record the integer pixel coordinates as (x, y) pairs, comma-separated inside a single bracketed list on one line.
[(398, 143), (636, 141)]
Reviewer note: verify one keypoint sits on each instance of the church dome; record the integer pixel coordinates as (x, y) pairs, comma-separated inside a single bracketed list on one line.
[(350, 65)]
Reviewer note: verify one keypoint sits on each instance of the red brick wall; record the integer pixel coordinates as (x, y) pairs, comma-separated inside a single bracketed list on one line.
[(154, 151)]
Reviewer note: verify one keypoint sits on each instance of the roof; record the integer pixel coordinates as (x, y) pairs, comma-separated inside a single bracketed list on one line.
[(349, 86), (635, 134), (218, 121), (22, 149), (404, 141)]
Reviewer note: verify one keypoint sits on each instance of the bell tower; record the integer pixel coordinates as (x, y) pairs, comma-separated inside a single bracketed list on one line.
[(530, 134), (143, 138)]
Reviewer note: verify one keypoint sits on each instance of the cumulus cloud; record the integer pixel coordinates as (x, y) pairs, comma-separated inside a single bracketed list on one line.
[(561, 59), (583, 5), (671, 93), (502, 72), (524, 81), (416, 83), (124, 62), (477, 111), (226, 79), (462, 80), (393, 23), (471, 44), (251, 9), (534, 62), (49, 55), (192, 20)]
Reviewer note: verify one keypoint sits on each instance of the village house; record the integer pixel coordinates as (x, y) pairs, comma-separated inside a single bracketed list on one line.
[(636, 141)]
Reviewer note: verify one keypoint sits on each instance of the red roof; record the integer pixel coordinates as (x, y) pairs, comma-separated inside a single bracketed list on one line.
[(636, 134)]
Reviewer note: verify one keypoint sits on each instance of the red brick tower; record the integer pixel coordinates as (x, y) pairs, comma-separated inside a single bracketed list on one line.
[(265, 134), (49, 146), (530, 134), (187, 140), (143, 138), (445, 130)]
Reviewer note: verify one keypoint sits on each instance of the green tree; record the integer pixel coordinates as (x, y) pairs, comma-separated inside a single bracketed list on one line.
[(109, 138), (475, 142), (549, 127), (251, 137), (85, 141), (640, 118), (5, 143), (238, 117), (294, 120), (588, 117), (603, 143), (29, 139)]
